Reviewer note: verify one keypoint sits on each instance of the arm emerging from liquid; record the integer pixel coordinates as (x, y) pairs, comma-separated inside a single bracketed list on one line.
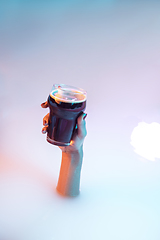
[(72, 156)]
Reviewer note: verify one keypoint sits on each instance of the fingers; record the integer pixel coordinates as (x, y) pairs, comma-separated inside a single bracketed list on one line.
[(44, 130), (81, 123), (44, 105), (45, 120), (45, 123)]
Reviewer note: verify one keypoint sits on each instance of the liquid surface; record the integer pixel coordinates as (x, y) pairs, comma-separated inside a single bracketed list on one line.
[(67, 95)]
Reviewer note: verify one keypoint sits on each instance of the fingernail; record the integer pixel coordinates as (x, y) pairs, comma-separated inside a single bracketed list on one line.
[(43, 131), (43, 104), (45, 123), (85, 116)]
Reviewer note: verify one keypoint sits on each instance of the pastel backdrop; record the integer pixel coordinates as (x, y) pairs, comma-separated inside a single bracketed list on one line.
[(112, 50)]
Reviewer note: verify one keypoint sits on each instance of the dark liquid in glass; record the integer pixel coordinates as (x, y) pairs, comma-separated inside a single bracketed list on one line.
[(62, 120)]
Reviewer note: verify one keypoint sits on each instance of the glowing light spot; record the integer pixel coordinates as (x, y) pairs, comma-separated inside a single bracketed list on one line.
[(145, 138)]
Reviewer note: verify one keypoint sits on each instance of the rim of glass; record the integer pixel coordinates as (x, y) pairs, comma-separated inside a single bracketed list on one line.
[(64, 87)]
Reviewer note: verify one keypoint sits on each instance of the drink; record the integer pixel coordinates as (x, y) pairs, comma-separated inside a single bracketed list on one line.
[(66, 104)]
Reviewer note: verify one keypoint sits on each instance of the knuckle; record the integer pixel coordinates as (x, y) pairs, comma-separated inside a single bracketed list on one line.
[(85, 133)]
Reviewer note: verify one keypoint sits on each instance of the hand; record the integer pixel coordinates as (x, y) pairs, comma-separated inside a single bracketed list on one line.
[(78, 137)]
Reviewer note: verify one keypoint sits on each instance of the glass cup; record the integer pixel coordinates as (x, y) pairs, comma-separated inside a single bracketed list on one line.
[(66, 104)]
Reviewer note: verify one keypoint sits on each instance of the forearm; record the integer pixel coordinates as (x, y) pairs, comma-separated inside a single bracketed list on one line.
[(69, 177)]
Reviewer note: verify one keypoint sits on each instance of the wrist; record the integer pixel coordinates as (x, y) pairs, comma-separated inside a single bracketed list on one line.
[(73, 152), (74, 157)]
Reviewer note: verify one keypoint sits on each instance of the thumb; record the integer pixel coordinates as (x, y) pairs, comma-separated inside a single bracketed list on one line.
[(81, 124)]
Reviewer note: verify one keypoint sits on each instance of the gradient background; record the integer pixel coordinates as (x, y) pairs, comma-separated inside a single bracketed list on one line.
[(112, 50)]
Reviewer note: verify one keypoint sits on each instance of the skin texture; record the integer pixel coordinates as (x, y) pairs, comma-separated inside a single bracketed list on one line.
[(72, 156)]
